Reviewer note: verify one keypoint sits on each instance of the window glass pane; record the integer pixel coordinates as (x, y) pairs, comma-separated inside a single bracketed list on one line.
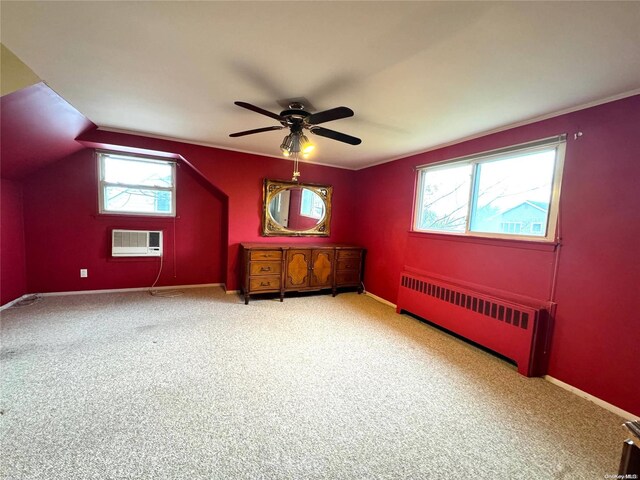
[(311, 204), (444, 198), (136, 172), (305, 202), (512, 195), (122, 199)]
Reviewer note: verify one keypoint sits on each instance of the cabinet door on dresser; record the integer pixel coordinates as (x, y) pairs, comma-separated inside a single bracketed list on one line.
[(309, 268), (297, 268), (322, 268)]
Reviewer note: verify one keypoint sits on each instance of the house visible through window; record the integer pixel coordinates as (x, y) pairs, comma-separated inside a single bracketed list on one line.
[(136, 185), (509, 192)]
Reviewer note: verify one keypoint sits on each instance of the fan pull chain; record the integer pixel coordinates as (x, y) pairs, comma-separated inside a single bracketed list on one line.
[(296, 171)]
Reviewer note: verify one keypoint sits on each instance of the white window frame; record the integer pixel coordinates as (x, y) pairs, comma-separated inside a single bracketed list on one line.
[(103, 184), (558, 142)]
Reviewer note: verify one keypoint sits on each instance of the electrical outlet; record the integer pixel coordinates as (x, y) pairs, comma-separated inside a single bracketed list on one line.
[(84, 273)]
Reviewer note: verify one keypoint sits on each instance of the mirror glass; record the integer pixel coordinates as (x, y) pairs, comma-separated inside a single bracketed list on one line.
[(292, 209), (297, 208)]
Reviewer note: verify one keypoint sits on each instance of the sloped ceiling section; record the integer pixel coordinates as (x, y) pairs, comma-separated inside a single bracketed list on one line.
[(38, 127), (15, 74)]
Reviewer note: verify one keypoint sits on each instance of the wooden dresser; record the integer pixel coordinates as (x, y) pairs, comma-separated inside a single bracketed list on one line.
[(280, 268)]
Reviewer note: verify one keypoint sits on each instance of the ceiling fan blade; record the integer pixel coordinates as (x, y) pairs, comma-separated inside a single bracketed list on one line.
[(253, 108), (332, 134), (257, 130), (328, 115)]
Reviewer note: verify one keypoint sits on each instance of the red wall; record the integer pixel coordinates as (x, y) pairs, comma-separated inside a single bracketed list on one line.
[(597, 324), (64, 233), (38, 128), (220, 199), (240, 177), (13, 279)]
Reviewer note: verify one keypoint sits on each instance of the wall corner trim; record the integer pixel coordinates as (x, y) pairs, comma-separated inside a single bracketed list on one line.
[(380, 299), (598, 401)]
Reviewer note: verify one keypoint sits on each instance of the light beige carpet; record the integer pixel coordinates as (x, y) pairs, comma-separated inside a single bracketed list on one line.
[(119, 386)]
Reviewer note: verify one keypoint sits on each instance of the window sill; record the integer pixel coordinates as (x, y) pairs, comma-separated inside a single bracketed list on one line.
[(541, 245), (133, 216)]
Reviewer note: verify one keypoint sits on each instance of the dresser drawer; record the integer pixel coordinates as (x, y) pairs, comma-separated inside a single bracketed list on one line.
[(349, 264), (264, 283), (266, 255), (348, 254), (347, 277), (265, 268)]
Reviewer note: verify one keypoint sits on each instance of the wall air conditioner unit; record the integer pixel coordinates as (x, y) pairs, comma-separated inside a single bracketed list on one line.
[(136, 243)]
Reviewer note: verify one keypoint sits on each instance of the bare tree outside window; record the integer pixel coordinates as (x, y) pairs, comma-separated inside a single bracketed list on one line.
[(135, 185), (503, 195), (445, 198)]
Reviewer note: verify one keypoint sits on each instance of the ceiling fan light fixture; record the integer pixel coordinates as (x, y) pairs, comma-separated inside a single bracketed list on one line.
[(306, 146), (287, 145)]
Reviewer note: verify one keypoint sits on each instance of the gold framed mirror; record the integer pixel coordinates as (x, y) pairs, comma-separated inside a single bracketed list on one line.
[(292, 209)]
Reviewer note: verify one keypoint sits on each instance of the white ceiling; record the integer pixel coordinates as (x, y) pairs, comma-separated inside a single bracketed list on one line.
[(417, 74)]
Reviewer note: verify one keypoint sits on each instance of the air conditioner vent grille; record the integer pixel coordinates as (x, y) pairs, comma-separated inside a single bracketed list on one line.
[(136, 243), (123, 238)]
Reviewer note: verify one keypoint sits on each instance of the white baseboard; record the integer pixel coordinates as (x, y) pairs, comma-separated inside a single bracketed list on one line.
[(601, 403), (124, 290), (13, 302), (380, 299)]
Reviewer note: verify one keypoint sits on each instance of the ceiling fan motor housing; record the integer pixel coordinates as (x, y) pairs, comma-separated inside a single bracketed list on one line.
[(295, 114)]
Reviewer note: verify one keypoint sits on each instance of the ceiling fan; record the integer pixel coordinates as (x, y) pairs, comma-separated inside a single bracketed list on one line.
[(296, 119)]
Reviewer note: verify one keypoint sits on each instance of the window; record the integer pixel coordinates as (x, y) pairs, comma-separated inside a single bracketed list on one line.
[(511, 192), (133, 185), (510, 227), (311, 205)]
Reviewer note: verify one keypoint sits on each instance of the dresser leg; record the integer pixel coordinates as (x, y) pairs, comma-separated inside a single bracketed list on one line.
[(630, 460), (246, 299)]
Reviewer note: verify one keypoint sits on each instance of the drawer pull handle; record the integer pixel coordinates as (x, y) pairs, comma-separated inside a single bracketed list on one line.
[(265, 269), (264, 284)]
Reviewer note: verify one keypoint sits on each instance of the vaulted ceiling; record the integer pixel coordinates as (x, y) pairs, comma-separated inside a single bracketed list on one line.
[(417, 74)]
